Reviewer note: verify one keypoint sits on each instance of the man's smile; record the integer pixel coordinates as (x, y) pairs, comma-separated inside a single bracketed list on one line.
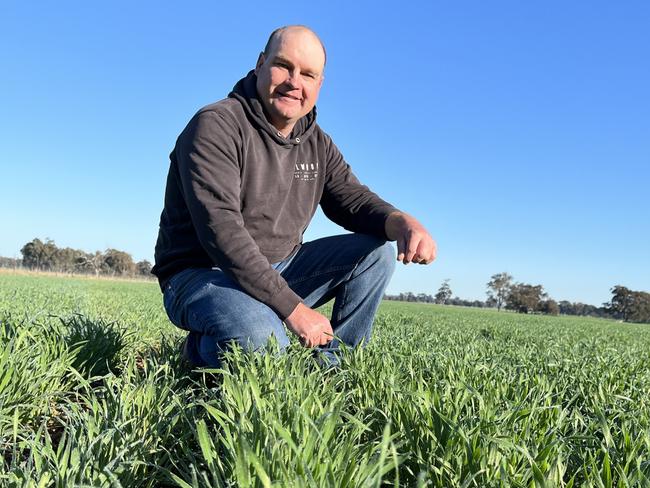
[(289, 97)]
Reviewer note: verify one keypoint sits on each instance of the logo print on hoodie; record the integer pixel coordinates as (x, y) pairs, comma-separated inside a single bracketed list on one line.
[(306, 171)]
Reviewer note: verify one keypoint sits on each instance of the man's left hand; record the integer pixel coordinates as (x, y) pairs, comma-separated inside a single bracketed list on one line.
[(414, 243)]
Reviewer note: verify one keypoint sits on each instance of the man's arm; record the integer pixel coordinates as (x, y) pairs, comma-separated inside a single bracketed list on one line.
[(352, 205), (207, 158), (207, 155), (349, 203), (414, 245)]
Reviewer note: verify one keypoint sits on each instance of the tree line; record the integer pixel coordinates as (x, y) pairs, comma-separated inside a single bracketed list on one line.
[(503, 293), (45, 255)]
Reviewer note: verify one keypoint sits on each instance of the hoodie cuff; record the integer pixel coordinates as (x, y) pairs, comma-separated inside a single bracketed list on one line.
[(284, 302), (378, 220)]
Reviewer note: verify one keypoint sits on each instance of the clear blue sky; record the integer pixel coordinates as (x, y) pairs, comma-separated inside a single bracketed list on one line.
[(517, 132)]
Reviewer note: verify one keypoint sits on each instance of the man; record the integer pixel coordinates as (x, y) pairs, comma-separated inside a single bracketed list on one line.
[(245, 179)]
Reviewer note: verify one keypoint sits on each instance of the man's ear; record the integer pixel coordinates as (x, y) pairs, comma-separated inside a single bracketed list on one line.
[(260, 62)]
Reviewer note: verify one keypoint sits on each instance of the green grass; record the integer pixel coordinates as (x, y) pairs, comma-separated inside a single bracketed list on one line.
[(92, 393)]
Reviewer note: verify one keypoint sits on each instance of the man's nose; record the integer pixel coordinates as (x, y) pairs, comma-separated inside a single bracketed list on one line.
[(294, 79)]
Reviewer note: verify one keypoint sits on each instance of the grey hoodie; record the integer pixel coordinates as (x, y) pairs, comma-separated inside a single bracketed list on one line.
[(239, 196)]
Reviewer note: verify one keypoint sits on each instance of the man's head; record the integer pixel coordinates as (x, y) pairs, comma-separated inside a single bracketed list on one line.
[(289, 75)]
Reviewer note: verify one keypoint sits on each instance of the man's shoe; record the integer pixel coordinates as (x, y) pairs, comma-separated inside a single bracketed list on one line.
[(189, 350)]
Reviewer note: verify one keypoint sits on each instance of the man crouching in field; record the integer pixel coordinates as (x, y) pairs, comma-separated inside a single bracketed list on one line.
[(245, 179)]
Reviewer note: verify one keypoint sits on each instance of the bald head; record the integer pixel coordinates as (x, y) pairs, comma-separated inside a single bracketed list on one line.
[(289, 75), (276, 36)]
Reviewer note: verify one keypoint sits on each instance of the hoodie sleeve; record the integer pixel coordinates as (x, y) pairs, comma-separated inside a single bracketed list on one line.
[(347, 202), (208, 154)]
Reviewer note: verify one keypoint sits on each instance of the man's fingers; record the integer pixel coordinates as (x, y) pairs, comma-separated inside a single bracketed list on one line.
[(321, 340), (317, 338), (425, 255), (311, 327), (426, 251), (431, 252), (326, 336), (432, 257), (421, 260), (409, 257), (413, 243), (401, 249)]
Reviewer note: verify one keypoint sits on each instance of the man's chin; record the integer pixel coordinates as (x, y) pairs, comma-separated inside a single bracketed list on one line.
[(287, 116)]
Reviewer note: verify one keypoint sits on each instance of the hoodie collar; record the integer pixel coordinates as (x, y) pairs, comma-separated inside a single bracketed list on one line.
[(245, 92)]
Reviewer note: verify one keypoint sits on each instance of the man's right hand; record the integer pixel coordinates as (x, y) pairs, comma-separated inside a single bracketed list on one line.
[(312, 328)]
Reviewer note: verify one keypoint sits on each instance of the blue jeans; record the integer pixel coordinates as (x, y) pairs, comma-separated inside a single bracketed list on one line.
[(354, 269)]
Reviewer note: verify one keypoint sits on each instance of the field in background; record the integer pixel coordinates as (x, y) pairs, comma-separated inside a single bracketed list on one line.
[(92, 392), (20, 271)]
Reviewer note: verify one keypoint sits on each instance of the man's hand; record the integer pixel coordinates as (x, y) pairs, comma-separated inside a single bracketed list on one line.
[(414, 243), (312, 328)]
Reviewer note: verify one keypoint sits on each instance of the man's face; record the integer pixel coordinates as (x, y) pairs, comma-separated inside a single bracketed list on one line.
[(290, 77)]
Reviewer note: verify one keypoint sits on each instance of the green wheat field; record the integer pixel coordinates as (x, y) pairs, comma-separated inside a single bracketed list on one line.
[(92, 393)]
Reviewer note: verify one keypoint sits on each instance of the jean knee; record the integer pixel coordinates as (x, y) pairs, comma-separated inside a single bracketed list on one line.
[(384, 258), (251, 328), (256, 339)]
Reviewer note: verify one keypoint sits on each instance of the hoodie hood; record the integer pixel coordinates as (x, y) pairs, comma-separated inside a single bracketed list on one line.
[(245, 92)]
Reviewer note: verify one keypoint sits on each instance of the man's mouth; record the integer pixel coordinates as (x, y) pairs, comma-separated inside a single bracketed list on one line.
[(290, 97)]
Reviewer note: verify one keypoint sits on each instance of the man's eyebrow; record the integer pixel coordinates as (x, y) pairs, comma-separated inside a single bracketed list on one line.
[(277, 58)]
